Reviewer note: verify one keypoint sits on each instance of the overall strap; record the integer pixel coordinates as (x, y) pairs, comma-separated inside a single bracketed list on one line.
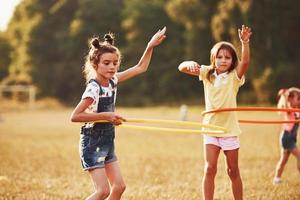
[(105, 104), (112, 83)]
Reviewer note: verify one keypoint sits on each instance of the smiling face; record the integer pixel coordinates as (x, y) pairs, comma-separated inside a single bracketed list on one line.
[(223, 57), (107, 67), (223, 61)]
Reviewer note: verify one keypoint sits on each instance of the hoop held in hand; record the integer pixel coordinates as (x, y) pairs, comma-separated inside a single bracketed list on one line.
[(209, 129)]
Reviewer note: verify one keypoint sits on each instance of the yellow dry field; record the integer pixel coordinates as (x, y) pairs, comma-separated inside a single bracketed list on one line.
[(39, 158)]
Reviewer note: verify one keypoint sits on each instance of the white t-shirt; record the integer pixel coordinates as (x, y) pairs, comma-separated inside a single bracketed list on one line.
[(92, 90)]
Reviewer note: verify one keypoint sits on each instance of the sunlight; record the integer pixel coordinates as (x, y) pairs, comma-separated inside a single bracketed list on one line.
[(6, 11)]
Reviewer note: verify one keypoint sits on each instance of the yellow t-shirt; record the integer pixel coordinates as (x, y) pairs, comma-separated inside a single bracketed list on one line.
[(221, 93)]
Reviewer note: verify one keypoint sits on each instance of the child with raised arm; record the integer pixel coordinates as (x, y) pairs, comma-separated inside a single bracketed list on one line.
[(288, 98), (221, 80), (97, 150)]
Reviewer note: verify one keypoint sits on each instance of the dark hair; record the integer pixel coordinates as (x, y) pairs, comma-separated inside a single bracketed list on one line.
[(95, 43), (109, 38), (214, 52), (96, 49)]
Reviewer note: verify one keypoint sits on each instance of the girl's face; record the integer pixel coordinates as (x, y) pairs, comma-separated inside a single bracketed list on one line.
[(295, 101), (223, 61), (108, 65)]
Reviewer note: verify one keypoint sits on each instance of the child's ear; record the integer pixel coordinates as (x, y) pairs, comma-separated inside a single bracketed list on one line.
[(95, 66)]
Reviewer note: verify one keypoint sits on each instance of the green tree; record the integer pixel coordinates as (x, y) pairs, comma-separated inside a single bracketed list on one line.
[(46, 43), (5, 60), (50, 48), (276, 26), (162, 83), (18, 33), (58, 41), (92, 18), (195, 16)]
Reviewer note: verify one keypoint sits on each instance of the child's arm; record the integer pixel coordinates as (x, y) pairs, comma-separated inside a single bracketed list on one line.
[(244, 36), (79, 114), (190, 67), (143, 64)]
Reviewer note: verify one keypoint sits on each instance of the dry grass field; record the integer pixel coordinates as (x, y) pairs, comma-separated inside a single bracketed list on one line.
[(39, 159)]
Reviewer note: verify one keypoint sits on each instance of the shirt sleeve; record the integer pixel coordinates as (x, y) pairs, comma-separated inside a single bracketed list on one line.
[(203, 72), (240, 81), (91, 90)]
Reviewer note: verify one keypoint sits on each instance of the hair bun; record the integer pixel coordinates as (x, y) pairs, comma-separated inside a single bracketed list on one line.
[(109, 37), (95, 43)]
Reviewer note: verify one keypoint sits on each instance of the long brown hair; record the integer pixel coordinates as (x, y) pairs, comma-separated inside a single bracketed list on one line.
[(213, 54), (97, 48)]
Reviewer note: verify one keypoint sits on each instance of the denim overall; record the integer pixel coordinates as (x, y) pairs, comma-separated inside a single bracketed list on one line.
[(97, 142), (289, 139)]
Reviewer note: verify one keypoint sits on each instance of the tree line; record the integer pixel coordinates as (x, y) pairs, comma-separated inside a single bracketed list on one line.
[(46, 41)]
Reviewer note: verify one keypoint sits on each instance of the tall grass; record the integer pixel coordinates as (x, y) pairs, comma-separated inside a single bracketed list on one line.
[(39, 159)]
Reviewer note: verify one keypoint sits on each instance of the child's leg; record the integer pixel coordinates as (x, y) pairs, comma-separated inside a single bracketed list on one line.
[(281, 163), (296, 153), (100, 183), (232, 158), (211, 158), (116, 180)]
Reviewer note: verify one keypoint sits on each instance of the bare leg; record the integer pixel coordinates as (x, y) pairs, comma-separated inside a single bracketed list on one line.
[(296, 153), (116, 180), (281, 163), (100, 183), (208, 183), (234, 173)]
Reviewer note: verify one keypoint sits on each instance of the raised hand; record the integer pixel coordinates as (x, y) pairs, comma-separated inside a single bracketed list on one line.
[(244, 34), (157, 38)]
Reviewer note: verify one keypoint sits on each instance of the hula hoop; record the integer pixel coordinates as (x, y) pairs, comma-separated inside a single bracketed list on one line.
[(269, 122), (173, 130), (257, 109), (216, 129)]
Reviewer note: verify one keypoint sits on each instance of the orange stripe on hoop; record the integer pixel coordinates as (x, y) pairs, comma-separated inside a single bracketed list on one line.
[(251, 109), (269, 122), (258, 109)]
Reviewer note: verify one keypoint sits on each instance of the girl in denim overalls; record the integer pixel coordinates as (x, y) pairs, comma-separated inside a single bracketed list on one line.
[(288, 98), (98, 103)]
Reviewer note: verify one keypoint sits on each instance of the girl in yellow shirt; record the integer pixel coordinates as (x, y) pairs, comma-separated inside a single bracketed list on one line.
[(222, 79)]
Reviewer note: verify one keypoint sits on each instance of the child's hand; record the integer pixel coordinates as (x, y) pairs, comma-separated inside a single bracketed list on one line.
[(157, 38), (245, 34), (193, 66), (115, 119), (190, 66)]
